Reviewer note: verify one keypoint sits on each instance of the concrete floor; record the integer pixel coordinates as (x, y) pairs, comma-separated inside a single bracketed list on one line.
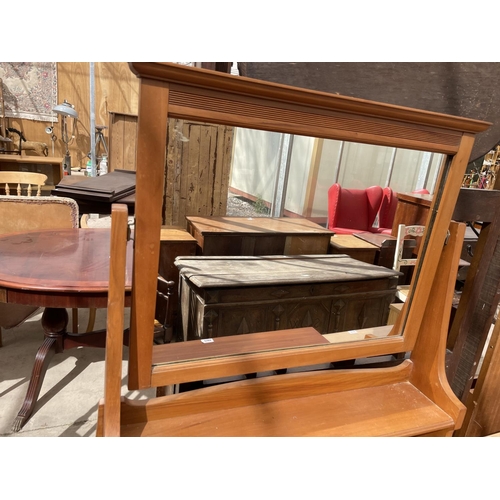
[(72, 388)]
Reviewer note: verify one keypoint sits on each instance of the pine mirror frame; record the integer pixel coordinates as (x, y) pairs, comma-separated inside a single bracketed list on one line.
[(169, 90)]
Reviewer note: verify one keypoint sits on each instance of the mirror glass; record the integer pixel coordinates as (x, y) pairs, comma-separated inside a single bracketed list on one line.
[(261, 174), (285, 175)]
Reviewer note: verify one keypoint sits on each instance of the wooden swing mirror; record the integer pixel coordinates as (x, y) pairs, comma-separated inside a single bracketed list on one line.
[(175, 91)]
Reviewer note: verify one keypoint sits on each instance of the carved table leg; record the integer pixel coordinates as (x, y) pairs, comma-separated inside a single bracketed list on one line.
[(54, 322)]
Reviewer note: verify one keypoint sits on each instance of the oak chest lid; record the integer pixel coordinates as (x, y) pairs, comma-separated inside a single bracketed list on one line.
[(208, 272)]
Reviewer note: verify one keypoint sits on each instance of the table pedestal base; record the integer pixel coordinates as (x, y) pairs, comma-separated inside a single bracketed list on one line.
[(54, 322), (57, 339)]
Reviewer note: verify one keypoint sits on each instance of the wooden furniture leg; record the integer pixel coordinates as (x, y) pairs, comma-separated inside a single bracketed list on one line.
[(57, 340), (54, 323)]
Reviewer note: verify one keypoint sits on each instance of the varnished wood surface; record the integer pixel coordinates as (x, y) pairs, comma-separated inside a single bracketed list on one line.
[(262, 361), (353, 247), (57, 267), (434, 128), (258, 236), (298, 404), (91, 206), (175, 234), (412, 399), (411, 209), (255, 225), (377, 239), (114, 320), (350, 241), (237, 344)]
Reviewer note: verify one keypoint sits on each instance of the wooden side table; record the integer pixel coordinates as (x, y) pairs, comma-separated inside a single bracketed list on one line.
[(354, 247)]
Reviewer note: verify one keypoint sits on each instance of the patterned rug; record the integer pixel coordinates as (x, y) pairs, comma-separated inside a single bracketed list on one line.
[(29, 89)]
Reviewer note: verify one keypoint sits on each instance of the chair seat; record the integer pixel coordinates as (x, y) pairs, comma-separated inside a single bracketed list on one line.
[(295, 404)]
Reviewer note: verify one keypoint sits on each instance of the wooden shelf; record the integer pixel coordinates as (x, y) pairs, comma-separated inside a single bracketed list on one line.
[(50, 166)]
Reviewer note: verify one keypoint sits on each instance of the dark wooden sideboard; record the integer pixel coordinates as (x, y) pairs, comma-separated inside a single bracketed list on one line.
[(235, 295)]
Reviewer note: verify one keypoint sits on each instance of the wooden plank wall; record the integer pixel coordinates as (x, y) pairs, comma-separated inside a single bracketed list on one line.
[(199, 155), (116, 90), (197, 170)]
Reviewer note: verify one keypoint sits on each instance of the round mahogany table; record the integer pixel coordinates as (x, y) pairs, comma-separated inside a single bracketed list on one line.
[(57, 270)]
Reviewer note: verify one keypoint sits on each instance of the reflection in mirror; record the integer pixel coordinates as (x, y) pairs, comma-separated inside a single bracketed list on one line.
[(255, 173), (286, 175)]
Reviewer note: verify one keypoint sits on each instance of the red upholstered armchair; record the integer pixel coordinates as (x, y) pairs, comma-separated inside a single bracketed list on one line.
[(353, 210), (387, 211)]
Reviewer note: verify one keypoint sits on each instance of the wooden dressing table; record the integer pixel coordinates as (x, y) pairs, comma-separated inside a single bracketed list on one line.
[(416, 397)]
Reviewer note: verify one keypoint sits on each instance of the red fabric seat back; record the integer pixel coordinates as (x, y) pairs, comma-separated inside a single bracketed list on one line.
[(352, 210), (387, 210)]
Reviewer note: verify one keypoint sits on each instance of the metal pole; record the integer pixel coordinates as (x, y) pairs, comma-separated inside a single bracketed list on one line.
[(92, 120), (423, 174), (339, 161), (278, 203), (391, 167)]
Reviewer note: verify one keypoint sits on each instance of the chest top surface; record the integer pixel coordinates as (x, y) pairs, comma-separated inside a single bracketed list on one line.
[(208, 272)]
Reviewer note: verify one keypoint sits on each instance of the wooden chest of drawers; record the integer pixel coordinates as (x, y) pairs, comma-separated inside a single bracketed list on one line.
[(234, 295)]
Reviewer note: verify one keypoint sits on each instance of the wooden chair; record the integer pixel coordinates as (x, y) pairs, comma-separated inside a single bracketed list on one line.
[(404, 231), (412, 398), (22, 182), (26, 213)]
